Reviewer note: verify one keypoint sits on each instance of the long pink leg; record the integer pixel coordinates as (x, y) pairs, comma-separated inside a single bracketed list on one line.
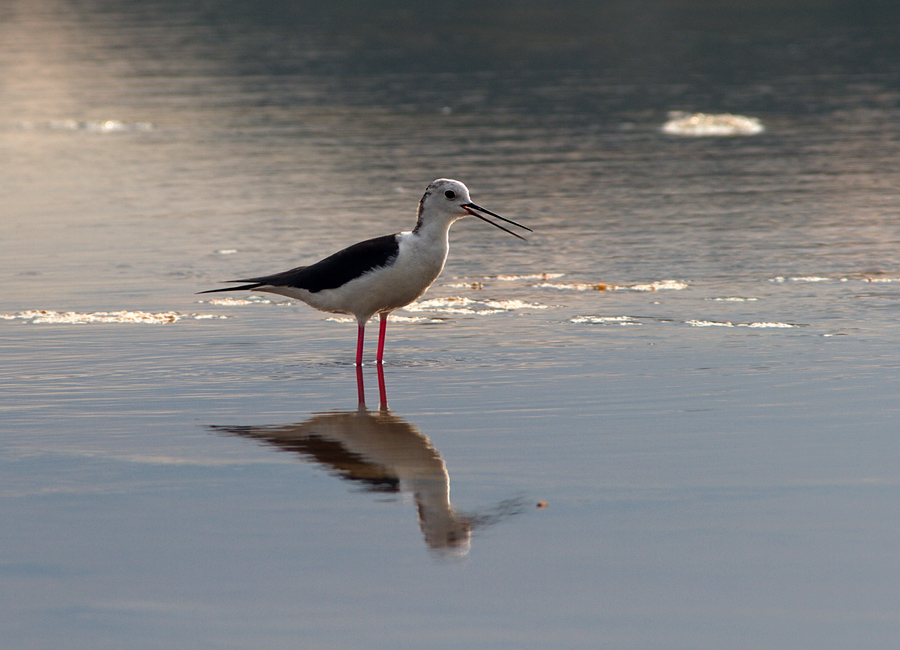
[(359, 343), (382, 328)]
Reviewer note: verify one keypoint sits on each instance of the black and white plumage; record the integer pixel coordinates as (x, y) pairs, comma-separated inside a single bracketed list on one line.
[(380, 275)]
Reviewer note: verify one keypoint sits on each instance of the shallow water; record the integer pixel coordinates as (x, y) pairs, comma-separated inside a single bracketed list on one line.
[(667, 420)]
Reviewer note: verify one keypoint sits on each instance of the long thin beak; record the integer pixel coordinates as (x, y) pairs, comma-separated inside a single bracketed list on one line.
[(471, 209)]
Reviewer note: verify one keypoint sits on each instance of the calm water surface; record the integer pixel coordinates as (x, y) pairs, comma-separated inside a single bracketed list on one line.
[(668, 420)]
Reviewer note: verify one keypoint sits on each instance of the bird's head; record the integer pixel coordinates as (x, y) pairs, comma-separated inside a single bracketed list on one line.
[(446, 200)]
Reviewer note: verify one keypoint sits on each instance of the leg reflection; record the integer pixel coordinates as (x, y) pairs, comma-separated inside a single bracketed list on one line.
[(361, 388), (382, 391)]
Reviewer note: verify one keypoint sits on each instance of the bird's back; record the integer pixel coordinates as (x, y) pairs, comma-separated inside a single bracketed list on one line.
[(330, 273)]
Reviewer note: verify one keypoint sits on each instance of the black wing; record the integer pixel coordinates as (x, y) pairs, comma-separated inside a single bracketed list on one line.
[(333, 271)]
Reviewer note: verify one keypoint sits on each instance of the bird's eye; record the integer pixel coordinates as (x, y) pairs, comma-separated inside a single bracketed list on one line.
[(450, 194)]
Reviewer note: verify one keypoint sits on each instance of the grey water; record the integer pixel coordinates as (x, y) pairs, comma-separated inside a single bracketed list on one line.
[(667, 420)]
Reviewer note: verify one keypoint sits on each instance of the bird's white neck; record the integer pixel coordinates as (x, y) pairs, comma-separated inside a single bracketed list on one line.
[(429, 245), (433, 230)]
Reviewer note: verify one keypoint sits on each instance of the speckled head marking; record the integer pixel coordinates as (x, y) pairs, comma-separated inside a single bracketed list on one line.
[(420, 208)]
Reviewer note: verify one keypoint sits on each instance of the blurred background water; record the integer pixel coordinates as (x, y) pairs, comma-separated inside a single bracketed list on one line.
[(668, 420)]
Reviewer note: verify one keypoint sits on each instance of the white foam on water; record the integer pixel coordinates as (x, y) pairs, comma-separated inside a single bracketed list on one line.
[(46, 316), (578, 286), (533, 276), (768, 325), (662, 285), (659, 285), (461, 305), (605, 320), (711, 125), (754, 325), (475, 286), (807, 278), (414, 319), (708, 323)]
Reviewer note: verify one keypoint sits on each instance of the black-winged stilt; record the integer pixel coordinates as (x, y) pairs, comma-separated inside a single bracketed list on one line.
[(380, 275)]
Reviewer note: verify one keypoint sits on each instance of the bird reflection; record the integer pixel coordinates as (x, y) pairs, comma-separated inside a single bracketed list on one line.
[(384, 453)]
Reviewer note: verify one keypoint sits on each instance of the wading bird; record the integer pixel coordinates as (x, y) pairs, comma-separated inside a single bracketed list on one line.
[(380, 275)]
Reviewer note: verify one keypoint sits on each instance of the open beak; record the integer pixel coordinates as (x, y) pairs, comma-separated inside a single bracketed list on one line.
[(471, 209)]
